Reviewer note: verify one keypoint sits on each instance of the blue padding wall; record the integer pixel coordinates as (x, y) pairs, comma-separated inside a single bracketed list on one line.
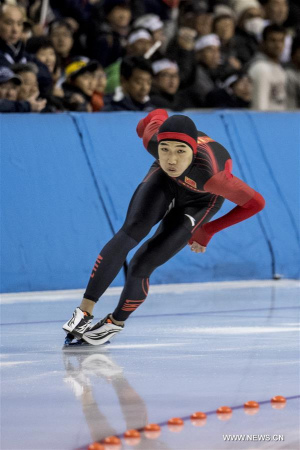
[(66, 181)]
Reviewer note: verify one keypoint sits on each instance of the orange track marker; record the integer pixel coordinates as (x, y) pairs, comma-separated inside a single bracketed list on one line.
[(132, 437), (175, 424), (278, 399), (251, 408), (198, 419), (152, 431), (224, 413), (278, 402)]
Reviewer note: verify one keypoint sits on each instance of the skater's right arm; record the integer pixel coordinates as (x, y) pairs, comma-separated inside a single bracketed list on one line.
[(147, 129)]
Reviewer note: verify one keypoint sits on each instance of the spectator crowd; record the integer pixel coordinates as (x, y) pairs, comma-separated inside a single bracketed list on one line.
[(138, 55)]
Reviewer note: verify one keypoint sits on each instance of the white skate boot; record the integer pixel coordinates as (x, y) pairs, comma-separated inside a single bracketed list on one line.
[(102, 331), (78, 324)]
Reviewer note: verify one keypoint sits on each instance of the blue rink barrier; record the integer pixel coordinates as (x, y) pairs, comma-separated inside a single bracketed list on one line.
[(66, 181)]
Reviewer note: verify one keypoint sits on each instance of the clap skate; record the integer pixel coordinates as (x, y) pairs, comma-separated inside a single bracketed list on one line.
[(102, 331), (76, 326)]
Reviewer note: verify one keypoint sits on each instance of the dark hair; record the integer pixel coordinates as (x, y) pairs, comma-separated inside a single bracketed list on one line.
[(60, 23), (34, 44), (221, 17), (27, 67), (274, 28), (109, 5), (130, 63)]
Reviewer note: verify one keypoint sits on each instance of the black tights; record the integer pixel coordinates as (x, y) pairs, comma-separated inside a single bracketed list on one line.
[(149, 205)]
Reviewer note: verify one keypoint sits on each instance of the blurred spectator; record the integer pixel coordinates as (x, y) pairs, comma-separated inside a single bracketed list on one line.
[(29, 88), (224, 27), (266, 72), (61, 36), (107, 41), (277, 11), (97, 101), (153, 23), (236, 92), (80, 84), (166, 82), (208, 67), (28, 75), (11, 28), (9, 84), (9, 94), (181, 50), (203, 22), (293, 76), (139, 41), (250, 24), (195, 14), (11, 46), (42, 48), (136, 80)]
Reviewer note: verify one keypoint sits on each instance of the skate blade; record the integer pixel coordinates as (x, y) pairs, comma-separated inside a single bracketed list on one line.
[(79, 343)]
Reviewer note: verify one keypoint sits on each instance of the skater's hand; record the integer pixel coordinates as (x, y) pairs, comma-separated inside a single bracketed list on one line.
[(157, 114), (197, 248)]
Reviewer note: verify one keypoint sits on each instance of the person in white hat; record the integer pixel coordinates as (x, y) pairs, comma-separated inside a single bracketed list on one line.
[(166, 83), (139, 41), (153, 23), (250, 23), (208, 59)]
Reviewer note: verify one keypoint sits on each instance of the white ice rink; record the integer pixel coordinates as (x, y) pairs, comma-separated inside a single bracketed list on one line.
[(187, 348)]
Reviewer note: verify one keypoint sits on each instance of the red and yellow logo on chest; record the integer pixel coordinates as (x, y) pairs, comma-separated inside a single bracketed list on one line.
[(191, 182)]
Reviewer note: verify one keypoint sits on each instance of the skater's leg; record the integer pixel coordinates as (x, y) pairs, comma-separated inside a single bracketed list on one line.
[(147, 207), (169, 239)]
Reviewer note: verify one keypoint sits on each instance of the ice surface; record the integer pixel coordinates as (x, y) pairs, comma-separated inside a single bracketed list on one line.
[(184, 350)]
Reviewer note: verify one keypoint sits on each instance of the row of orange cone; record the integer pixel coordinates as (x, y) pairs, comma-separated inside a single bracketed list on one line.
[(175, 424)]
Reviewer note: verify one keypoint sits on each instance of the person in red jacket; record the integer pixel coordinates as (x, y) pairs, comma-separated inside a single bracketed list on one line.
[(184, 188)]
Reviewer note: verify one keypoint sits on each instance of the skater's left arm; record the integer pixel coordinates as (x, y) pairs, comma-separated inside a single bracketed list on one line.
[(249, 202)]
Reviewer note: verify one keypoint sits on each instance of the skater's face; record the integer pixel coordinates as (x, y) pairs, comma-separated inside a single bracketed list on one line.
[(174, 157)]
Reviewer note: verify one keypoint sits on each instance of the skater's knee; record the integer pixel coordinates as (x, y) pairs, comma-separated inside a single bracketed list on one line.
[(136, 229)]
